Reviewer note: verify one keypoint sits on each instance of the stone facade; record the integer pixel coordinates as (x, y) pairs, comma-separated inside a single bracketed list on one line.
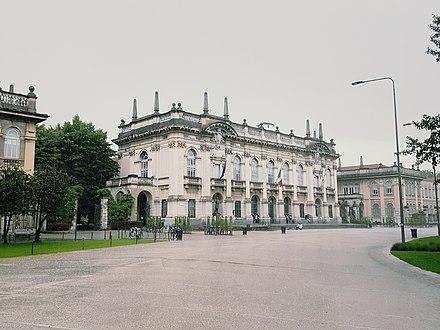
[(18, 119), (179, 163), (372, 191)]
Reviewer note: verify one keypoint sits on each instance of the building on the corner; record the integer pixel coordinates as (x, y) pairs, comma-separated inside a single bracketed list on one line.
[(178, 163), (372, 191), (18, 120)]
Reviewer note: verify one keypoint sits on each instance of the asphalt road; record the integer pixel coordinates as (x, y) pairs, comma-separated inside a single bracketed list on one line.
[(331, 278)]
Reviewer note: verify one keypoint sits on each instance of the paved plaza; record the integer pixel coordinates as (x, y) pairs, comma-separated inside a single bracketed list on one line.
[(330, 278)]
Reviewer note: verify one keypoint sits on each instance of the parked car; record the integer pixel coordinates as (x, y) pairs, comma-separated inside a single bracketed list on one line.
[(299, 226)]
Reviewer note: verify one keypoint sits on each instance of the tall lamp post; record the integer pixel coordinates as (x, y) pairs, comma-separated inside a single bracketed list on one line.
[(399, 175), (434, 165)]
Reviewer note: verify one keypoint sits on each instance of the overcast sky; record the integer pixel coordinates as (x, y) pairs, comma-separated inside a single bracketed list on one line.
[(277, 61)]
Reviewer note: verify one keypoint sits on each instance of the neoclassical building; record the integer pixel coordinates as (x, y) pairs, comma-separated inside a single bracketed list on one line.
[(178, 163), (18, 119), (372, 191)]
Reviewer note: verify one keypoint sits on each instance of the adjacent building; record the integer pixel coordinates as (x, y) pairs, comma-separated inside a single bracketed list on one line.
[(372, 191), (18, 119), (179, 163)]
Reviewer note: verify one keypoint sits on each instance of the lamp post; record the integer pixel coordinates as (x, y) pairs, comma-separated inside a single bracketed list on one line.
[(399, 175), (434, 165)]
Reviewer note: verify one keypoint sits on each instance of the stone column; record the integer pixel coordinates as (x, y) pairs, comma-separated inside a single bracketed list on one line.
[(104, 213)]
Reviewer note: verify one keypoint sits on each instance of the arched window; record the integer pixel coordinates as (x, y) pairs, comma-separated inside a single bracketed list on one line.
[(329, 178), (390, 212), (375, 210), (287, 206), (255, 206), (254, 170), (318, 208), (237, 168), (374, 189), (300, 174), (286, 173), (144, 165), (191, 163), (270, 172), (388, 188), (12, 143)]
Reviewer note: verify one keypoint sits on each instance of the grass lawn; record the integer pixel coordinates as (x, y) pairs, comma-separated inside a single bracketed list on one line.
[(46, 247), (424, 260)]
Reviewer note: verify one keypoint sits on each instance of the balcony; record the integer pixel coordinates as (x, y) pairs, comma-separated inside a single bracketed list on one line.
[(163, 183), (192, 182), (256, 186), (130, 180), (238, 184), (318, 191), (301, 190), (218, 183), (288, 188), (271, 187), (330, 191)]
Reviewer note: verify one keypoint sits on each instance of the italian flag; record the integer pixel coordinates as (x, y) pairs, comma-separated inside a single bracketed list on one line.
[(279, 181)]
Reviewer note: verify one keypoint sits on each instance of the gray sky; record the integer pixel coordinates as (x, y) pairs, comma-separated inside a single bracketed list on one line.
[(278, 61)]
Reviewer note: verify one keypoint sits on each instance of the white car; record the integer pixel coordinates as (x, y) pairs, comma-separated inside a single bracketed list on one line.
[(299, 226)]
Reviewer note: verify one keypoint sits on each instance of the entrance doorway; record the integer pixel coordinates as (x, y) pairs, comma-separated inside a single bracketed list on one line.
[(143, 206)]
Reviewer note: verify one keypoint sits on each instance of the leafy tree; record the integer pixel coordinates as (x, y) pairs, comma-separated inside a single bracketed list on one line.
[(343, 211), (49, 191), (435, 38), (82, 152), (427, 150), (118, 209), (14, 195), (66, 212), (417, 219)]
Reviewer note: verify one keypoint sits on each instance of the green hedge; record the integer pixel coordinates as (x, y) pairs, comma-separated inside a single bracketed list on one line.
[(431, 244)]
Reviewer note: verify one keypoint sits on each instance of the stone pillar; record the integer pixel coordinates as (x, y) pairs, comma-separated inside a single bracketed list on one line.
[(104, 213)]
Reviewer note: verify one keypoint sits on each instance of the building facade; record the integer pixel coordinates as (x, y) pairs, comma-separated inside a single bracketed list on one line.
[(372, 191), (179, 163), (18, 119)]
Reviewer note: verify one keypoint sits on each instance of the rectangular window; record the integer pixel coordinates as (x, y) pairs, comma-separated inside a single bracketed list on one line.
[(237, 209), (375, 191), (330, 211), (345, 190), (301, 211), (164, 208), (351, 190), (191, 208)]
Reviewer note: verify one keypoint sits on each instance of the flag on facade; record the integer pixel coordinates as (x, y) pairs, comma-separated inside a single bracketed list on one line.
[(223, 171), (279, 181)]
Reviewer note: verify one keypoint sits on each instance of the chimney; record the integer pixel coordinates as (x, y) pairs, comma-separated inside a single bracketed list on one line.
[(226, 109), (339, 163), (11, 88), (135, 110), (321, 136), (307, 128), (361, 161), (205, 103), (156, 102), (314, 134)]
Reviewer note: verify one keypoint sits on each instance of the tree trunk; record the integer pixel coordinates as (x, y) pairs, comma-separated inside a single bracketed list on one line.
[(5, 230), (38, 228)]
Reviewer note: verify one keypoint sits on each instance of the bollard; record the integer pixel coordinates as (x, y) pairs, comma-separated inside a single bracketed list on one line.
[(136, 239), (105, 234), (32, 248), (110, 238), (83, 243), (118, 234)]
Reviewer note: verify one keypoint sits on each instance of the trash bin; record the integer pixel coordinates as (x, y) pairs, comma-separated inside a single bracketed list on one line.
[(283, 230), (244, 229), (414, 232), (179, 234)]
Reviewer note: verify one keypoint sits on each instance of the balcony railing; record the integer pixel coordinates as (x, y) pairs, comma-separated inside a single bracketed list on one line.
[(288, 188), (301, 189), (256, 185), (271, 186), (130, 180), (192, 181), (317, 190), (221, 183), (330, 191), (13, 101), (238, 184)]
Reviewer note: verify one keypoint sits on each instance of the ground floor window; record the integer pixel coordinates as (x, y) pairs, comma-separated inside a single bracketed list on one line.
[(301, 211), (237, 209), (191, 208), (164, 208), (255, 206), (330, 211)]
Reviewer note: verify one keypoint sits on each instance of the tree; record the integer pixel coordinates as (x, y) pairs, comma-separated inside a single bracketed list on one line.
[(119, 209), (49, 190), (435, 38), (417, 219), (14, 195), (66, 212), (82, 152), (427, 150)]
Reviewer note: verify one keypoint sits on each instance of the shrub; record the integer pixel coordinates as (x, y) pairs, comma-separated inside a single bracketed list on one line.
[(125, 225)]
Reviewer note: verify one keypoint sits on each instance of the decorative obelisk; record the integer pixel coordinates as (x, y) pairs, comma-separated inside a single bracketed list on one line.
[(321, 135), (135, 110), (156, 102), (205, 103), (226, 109), (307, 128)]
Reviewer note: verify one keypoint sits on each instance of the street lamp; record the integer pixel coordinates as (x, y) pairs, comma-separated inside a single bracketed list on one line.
[(399, 175), (434, 164)]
